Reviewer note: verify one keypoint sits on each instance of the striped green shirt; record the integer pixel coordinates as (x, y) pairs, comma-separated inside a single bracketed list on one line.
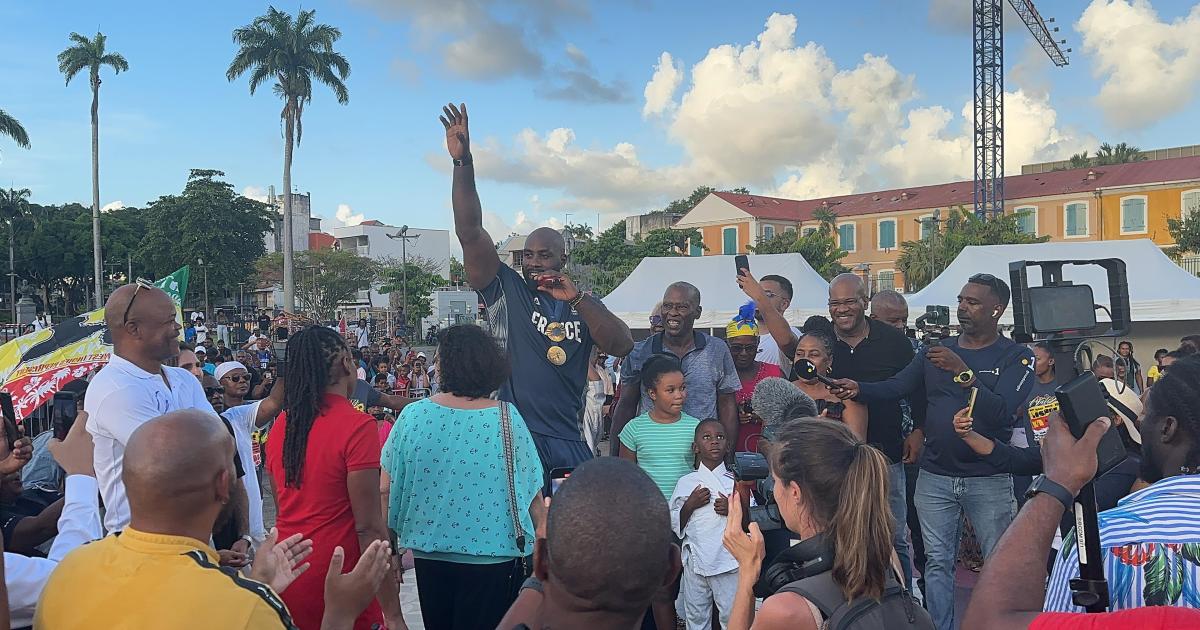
[(664, 451)]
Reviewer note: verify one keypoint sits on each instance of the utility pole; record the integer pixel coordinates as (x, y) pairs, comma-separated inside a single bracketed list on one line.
[(200, 263), (404, 238), (129, 276)]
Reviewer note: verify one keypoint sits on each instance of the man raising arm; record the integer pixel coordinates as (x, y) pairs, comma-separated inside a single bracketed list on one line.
[(544, 322)]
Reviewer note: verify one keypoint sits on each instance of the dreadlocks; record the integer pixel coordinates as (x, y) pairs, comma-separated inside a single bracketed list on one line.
[(1178, 394), (310, 355)]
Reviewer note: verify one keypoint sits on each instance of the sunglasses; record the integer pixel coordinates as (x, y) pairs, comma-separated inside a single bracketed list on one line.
[(142, 283), (740, 349), (244, 378)]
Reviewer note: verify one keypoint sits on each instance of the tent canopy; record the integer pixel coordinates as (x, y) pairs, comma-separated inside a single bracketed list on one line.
[(720, 296), (1159, 290)]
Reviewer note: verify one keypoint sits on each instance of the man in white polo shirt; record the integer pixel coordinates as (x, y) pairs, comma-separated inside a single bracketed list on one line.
[(135, 386), (246, 418)]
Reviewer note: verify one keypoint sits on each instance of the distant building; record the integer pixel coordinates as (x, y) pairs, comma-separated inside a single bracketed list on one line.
[(302, 221), (452, 305), (510, 250), (642, 224), (371, 239)]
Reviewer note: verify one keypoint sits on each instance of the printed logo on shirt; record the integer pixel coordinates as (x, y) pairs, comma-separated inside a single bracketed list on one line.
[(1040, 408), (572, 329)]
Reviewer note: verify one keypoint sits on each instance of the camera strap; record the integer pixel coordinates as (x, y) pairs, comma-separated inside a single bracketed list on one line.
[(506, 435)]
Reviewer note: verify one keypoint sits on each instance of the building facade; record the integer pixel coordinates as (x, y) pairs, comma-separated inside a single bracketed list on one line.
[(302, 221), (371, 239), (1118, 201)]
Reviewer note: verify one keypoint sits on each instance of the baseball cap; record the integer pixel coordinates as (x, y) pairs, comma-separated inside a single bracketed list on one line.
[(200, 349)]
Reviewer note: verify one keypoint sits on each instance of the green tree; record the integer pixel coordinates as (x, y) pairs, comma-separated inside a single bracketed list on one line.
[(292, 52), (90, 54), (14, 205), (1080, 160), (207, 221), (12, 128), (1185, 231), (53, 253), (682, 206), (819, 247), (962, 228), (1119, 154), (420, 276), (602, 264), (339, 276), (458, 273)]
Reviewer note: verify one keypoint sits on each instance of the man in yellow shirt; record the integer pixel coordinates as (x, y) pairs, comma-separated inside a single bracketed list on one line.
[(159, 572)]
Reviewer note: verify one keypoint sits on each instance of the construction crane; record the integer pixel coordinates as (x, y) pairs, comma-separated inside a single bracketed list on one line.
[(988, 38)]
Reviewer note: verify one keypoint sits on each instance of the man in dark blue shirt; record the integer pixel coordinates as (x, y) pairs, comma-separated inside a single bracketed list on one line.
[(953, 479), (543, 321)]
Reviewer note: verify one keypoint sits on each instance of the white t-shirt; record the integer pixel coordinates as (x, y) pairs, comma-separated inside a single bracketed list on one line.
[(363, 336), (121, 398), (201, 333), (768, 350), (242, 418)]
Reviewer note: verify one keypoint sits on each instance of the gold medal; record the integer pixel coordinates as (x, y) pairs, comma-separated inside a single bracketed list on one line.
[(556, 331), (556, 355)]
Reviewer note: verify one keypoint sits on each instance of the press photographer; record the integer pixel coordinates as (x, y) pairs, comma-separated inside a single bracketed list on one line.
[(954, 479), (832, 490)]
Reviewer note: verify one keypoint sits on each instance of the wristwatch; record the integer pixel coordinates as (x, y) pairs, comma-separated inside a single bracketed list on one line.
[(467, 161), (964, 377), (1042, 483)]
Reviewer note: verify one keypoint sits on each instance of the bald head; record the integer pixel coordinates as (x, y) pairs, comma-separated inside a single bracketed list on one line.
[(142, 322), (177, 466), (546, 238), (608, 536), (848, 283)]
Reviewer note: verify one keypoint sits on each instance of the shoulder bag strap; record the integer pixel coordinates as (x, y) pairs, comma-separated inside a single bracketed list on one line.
[(506, 434)]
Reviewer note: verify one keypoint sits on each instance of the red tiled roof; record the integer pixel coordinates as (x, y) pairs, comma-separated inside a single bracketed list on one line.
[(372, 222), (320, 240), (1073, 181)]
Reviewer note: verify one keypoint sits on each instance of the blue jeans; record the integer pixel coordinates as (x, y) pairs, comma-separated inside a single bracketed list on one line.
[(896, 500), (941, 503)]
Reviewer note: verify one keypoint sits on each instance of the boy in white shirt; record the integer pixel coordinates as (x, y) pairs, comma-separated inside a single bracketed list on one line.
[(699, 510)]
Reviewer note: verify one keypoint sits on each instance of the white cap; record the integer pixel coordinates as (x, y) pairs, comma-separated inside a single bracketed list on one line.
[(421, 355), (200, 349), (227, 367)]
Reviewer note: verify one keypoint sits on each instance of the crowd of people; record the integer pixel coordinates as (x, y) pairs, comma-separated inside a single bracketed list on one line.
[(832, 474)]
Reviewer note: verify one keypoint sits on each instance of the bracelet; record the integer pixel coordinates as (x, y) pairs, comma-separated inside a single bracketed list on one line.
[(576, 300), (247, 538), (467, 161)]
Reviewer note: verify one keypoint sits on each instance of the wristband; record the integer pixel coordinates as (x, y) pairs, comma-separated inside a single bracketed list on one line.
[(1044, 484), (467, 161), (576, 300)]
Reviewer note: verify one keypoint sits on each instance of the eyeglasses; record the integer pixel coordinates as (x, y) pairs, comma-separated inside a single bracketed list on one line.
[(142, 283), (242, 378), (742, 349)]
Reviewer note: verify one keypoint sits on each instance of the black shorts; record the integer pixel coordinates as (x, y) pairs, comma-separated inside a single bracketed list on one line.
[(559, 453)]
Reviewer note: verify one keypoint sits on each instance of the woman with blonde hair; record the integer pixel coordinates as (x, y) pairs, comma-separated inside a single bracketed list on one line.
[(832, 490)]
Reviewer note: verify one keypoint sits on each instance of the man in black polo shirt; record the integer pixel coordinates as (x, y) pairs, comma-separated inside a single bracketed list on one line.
[(868, 350)]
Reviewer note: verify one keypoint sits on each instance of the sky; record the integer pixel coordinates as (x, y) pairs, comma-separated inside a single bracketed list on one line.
[(585, 111)]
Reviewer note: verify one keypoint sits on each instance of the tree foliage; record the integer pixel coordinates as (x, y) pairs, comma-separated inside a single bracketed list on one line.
[(819, 247), (421, 277), (1120, 153), (961, 229), (339, 276), (12, 128), (209, 222), (682, 206), (1185, 231), (601, 264)]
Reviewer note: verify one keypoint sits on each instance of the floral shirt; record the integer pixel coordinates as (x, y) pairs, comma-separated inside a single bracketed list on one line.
[(1151, 547)]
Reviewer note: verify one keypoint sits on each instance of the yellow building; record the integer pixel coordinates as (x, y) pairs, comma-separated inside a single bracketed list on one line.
[(1095, 203)]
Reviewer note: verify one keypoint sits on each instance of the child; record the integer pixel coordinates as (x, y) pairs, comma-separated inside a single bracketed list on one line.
[(699, 510), (660, 442)]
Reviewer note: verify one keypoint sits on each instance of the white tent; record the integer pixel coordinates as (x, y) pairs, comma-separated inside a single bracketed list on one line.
[(1159, 290), (720, 296)]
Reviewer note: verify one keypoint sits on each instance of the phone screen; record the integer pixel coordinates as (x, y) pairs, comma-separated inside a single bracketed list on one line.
[(557, 477), (740, 262), (66, 408), (11, 432)]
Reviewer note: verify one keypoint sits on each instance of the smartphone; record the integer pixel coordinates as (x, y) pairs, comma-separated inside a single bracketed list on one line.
[(971, 402), (1082, 401), (66, 408), (558, 476), (741, 262), (832, 410), (12, 432)]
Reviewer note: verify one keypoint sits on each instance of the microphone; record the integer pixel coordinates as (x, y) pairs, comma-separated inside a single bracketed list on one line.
[(807, 371)]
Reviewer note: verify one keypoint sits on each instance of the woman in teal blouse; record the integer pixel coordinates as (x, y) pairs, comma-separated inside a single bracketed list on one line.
[(446, 483)]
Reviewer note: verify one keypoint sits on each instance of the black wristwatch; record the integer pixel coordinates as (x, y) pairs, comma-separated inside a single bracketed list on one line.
[(1042, 483), (467, 161)]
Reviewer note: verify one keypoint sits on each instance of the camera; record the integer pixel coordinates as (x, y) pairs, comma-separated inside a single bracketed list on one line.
[(934, 325), (753, 467), (750, 467)]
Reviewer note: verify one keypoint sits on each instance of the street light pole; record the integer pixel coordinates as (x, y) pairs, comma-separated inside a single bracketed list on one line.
[(200, 263), (404, 238)]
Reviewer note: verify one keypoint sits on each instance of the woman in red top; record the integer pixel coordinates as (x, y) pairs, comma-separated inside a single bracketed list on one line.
[(742, 337), (323, 458)]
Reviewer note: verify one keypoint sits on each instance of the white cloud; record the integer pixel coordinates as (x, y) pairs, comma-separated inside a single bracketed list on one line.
[(660, 91), (780, 117), (346, 216), (1150, 68), (492, 51), (112, 205), (256, 193)]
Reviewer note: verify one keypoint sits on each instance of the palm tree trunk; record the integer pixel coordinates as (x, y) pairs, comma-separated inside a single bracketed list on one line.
[(12, 275), (289, 282), (97, 263)]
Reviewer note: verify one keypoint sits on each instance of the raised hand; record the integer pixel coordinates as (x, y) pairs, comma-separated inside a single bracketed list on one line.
[(458, 138), (559, 286), (20, 454), (75, 453), (278, 564)]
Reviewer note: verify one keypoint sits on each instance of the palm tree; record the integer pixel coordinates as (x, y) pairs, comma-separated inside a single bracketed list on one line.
[(293, 53), (14, 204), (12, 128), (1080, 160), (1120, 154), (90, 54)]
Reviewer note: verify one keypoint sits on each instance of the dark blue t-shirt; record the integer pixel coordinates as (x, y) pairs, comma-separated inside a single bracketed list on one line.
[(1004, 376), (549, 397)]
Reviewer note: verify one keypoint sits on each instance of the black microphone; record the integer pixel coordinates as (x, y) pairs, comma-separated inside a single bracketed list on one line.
[(807, 371)]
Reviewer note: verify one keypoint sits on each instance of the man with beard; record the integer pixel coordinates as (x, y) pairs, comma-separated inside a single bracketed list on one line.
[(954, 480), (708, 369), (546, 324), (1156, 527)]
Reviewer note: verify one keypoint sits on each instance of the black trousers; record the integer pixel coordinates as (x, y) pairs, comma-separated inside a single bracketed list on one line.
[(914, 524), (458, 596)]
